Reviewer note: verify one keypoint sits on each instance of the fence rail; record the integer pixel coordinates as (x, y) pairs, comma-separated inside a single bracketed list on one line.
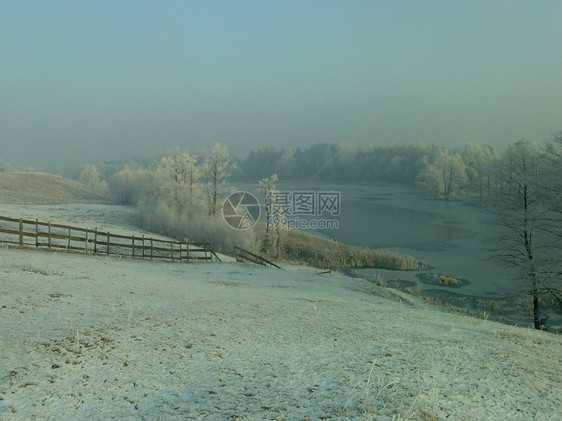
[(246, 256), (28, 233)]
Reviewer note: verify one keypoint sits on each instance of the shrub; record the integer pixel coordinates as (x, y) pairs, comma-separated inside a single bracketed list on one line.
[(445, 279)]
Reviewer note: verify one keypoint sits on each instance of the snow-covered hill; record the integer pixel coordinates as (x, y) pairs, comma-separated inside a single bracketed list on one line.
[(86, 337), (41, 188)]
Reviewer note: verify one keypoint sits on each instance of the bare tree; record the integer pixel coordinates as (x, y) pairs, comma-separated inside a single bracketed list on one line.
[(522, 216)]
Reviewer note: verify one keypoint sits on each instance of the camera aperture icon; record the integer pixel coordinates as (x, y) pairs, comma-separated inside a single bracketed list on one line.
[(241, 210)]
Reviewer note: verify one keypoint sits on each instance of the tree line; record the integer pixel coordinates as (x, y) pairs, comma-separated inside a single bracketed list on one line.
[(470, 170), (437, 171)]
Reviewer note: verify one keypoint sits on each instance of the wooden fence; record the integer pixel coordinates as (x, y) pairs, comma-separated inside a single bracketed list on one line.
[(28, 233), (246, 256)]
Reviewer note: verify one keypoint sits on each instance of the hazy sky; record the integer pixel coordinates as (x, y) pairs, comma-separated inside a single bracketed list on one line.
[(75, 77)]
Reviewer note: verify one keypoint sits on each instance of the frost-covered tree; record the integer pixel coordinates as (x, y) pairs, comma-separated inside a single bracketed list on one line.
[(524, 220), (90, 175), (444, 174), (551, 184), (129, 184), (216, 170), (479, 161), (267, 186), (274, 212), (453, 173), (176, 176), (430, 181), (287, 163), (553, 173)]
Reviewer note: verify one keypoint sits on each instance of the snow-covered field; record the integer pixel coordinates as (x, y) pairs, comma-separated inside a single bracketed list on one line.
[(117, 219), (90, 337)]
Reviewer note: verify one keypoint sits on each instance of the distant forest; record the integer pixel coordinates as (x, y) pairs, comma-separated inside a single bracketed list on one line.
[(333, 162), (470, 170), (439, 171)]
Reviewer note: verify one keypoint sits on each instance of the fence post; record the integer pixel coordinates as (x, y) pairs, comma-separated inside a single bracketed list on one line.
[(171, 250), (50, 238), (187, 251), (133, 241), (108, 236), (21, 232), (86, 243), (151, 247), (96, 240), (143, 246), (68, 244), (37, 233)]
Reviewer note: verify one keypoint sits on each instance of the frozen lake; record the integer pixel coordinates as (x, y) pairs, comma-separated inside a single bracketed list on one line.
[(451, 237)]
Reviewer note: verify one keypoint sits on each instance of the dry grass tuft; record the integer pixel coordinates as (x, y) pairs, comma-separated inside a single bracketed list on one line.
[(324, 252), (445, 279)]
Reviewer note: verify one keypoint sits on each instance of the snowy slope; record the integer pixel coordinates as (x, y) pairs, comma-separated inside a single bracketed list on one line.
[(33, 187), (117, 219), (96, 337)]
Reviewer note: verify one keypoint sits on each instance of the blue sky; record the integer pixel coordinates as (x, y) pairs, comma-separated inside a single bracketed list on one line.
[(75, 77)]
